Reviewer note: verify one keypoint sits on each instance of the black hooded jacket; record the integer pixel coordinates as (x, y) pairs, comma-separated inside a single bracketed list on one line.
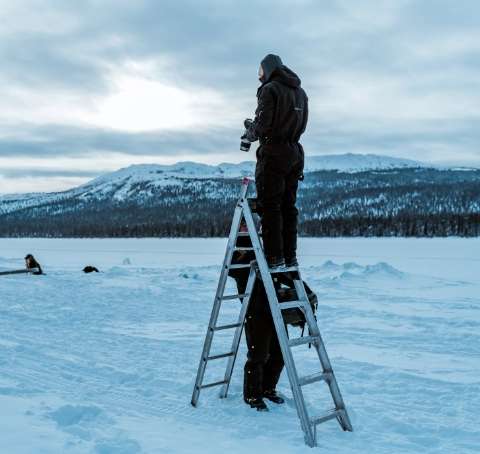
[(282, 111)]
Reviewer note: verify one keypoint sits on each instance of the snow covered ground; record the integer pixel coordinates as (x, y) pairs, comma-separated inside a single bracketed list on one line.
[(105, 363)]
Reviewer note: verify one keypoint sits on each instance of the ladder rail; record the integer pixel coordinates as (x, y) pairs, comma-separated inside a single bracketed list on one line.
[(280, 328), (343, 417), (238, 332), (232, 239)]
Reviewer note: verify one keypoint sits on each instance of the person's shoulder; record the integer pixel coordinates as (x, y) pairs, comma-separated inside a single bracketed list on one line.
[(268, 88)]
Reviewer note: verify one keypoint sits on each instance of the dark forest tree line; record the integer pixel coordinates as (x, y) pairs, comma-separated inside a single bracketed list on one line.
[(400, 202)]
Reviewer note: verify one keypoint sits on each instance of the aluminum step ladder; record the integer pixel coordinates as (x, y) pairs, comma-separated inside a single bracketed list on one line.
[(243, 211)]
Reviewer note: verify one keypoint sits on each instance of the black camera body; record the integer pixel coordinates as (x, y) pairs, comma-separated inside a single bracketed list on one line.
[(244, 142)]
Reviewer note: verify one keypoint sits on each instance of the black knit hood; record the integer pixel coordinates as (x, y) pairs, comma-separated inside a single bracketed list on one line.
[(274, 69)]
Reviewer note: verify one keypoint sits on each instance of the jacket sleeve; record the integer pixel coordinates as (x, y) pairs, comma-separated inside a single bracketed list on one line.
[(262, 124)]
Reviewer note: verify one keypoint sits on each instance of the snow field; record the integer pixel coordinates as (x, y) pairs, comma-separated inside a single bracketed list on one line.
[(105, 363)]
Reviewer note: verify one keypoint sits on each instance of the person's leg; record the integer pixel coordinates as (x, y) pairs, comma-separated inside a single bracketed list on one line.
[(290, 218), (289, 209), (258, 345), (274, 365), (270, 184), (241, 282), (258, 342)]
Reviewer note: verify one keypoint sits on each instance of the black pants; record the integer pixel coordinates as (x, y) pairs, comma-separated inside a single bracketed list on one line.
[(264, 358), (276, 177)]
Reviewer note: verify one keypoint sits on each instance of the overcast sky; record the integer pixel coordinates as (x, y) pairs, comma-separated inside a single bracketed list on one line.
[(88, 87)]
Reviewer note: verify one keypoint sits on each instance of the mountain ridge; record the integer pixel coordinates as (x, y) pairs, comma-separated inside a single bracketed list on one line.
[(139, 202), (348, 162), (368, 195), (141, 181)]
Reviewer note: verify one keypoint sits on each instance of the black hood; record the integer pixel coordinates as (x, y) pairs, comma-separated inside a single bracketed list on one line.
[(274, 69), (286, 76), (269, 64)]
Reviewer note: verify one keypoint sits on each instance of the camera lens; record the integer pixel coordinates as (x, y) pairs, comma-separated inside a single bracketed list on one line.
[(245, 145)]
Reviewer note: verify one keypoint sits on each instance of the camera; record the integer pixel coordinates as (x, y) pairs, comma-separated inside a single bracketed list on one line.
[(244, 142), (245, 145)]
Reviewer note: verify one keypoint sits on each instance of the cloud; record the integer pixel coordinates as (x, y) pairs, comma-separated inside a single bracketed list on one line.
[(172, 79), (59, 140)]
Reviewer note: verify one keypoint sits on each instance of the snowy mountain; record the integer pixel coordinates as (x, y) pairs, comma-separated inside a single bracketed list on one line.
[(165, 174), (350, 162), (124, 181), (344, 162), (341, 195), (144, 180)]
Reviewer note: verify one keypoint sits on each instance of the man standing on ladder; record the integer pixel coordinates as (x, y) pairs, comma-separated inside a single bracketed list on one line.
[(280, 119)]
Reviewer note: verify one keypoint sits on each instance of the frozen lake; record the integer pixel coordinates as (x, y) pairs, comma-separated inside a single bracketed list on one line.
[(449, 257), (105, 363)]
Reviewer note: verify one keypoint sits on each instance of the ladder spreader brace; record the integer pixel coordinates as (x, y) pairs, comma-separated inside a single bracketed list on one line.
[(243, 211)]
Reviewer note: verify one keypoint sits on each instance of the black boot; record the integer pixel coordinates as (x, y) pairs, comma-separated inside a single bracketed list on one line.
[(291, 261), (272, 395), (275, 263), (257, 402)]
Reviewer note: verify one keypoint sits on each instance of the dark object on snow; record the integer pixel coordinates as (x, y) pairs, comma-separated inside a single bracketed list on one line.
[(286, 292), (32, 264), (280, 120), (5, 273), (90, 269)]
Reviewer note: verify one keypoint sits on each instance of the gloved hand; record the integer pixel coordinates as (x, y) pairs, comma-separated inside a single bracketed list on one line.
[(248, 122), (249, 133)]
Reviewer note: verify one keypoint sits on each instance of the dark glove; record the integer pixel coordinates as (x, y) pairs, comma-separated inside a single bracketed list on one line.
[(249, 133), (248, 123)]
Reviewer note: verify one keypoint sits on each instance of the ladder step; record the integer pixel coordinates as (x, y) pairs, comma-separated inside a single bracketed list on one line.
[(284, 270), (331, 414), (234, 297), (291, 304), (238, 248), (302, 381), (233, 325), (223, 355), (243, 234), (209, 385), (238, 266), (303, 340)]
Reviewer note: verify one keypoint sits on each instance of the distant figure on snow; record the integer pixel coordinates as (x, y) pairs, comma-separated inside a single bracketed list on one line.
[(32, 264), (90, 269)]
